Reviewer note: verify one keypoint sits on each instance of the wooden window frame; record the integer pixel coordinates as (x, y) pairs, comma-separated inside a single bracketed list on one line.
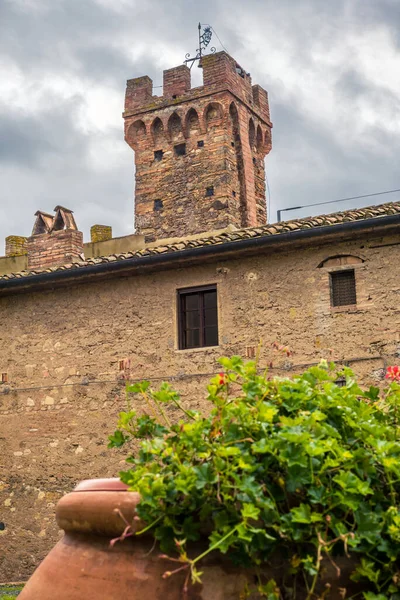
[(181, 324), (332, 276)]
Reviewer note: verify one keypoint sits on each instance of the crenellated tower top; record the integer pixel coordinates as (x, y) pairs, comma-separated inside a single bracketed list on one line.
[(199, 152)]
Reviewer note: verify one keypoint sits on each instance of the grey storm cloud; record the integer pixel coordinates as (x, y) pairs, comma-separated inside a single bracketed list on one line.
[(329, 67)]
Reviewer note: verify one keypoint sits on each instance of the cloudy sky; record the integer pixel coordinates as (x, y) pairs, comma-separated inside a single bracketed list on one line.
[(332, 69)]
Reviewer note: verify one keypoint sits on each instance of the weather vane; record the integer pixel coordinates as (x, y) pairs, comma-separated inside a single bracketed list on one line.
[(204, 40)]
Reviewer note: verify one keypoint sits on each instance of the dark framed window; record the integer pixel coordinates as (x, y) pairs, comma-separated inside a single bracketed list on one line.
[(343, 288), (158, 155), (210, 191), (200, 144), (198, 317), (180, 150), (158, 205)]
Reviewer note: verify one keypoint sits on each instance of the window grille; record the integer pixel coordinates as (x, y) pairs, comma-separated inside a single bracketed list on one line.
[(343, 288), (198, 317)]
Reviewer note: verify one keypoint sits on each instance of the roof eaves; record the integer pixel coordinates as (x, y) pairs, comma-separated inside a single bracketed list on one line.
[(163, 258)]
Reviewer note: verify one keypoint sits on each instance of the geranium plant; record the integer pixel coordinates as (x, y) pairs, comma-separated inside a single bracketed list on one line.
[(298, 468)]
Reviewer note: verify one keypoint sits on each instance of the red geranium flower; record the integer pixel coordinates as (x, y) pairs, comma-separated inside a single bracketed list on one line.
[(393, 373), (221, 378)]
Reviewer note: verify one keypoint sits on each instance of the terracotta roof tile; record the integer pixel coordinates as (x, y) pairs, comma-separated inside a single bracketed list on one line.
[(275, 229)]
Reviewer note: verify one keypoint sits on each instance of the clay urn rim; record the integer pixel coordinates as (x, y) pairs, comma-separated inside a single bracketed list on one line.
[(99, 507), (101, 485)]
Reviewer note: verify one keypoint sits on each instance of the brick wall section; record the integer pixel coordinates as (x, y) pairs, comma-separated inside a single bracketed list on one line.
[(16, 245), (100, 233), (55, 248), (138, 91), (176, 81), (213, 121), (53, 436)]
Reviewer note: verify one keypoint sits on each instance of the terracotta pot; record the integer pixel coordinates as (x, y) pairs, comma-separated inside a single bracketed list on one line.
[(83, 565)]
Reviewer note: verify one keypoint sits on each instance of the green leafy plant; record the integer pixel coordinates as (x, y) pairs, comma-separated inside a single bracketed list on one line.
[(9, 592), (300, 468)]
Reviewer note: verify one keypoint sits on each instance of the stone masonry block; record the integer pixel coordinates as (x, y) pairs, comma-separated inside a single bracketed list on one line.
[(100, 233), (16, 245)]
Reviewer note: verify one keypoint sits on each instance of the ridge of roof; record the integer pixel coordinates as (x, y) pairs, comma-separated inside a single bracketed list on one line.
[(275, 229)]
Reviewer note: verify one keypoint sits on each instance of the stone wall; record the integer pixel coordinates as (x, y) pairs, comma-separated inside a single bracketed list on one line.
[(63, 350)]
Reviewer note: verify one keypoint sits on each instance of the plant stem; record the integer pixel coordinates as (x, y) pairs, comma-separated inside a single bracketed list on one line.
[(145, 396), (214, 546), (311, 590), (183, 410), (149, 526), (164, 416)]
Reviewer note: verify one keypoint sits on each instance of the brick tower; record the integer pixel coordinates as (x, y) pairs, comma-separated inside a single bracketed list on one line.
[(199, 152)]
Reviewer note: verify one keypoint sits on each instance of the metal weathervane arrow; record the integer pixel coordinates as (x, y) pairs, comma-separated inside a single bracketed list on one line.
[(204, 40)]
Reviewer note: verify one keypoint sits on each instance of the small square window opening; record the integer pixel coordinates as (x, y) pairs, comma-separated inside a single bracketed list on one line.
[(158, 205), (198, 317), (343, 288), (200, 144), (210, 191), (180, 150), (158, 154)]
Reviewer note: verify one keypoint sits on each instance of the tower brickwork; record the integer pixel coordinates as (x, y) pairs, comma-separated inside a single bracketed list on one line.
[(199, 153)]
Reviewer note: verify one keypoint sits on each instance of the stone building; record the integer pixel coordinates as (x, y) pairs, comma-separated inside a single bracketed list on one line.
[(204, 276)]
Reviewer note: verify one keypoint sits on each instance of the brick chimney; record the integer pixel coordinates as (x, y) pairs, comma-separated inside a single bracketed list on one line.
[(55, 240)]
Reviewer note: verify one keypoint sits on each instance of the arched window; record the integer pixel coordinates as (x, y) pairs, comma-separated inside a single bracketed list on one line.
[(157, 129), (252, 134), (192, 123), (136, 132), (213, 114), (174, 126)]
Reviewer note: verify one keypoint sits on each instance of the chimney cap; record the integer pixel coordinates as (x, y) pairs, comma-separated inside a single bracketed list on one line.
[(58, 207), (43, 214), (63, 219), (43, 223)]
